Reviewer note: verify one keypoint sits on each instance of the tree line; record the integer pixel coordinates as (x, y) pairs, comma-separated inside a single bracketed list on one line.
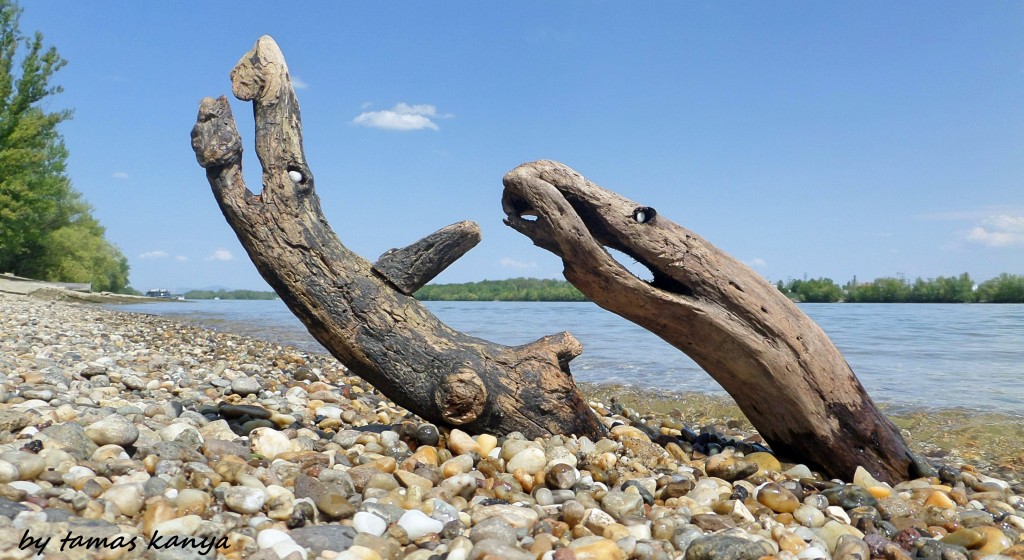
[(515, 289), (1005, 288), (47, 231)]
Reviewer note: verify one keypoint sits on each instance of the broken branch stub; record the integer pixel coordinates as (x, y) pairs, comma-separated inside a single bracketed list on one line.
[(782, 370), (362, 313)]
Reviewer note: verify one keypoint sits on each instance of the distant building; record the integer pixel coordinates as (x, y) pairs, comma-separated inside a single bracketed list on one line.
[(159, 293)]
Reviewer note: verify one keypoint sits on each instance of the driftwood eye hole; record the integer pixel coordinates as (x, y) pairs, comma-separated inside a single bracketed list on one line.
[(644, 214)]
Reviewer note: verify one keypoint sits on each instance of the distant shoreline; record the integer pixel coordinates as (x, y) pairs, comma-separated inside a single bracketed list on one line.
[(1006, 288)]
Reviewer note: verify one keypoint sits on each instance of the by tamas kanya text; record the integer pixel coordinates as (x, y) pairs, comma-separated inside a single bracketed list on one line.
[(71, 541)]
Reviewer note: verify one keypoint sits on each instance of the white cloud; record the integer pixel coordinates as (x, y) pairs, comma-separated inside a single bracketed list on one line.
[(1002, 230), (297, 83), (153, 255), (119, 175), (402, 117), (756, 262), (221, 255), (513, 263), (181, 258)]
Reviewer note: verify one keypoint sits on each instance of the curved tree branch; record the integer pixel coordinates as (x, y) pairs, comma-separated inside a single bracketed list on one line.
[(360, 312), (779, 366)]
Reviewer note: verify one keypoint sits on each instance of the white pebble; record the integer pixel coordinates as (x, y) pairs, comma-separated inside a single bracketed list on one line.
[(366, 522), (127, 497), (269, 442), (76, 472), (837, 513), (329, 412), (531, 460), (812, 553), (417, 524), (184, 525), (267, 538), (295, 176), (172, 431), (244, 499), (29, 487)]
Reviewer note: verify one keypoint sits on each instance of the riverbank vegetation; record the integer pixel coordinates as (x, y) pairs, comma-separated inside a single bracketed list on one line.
[(515, 289), (1005, 288), (47, 231)]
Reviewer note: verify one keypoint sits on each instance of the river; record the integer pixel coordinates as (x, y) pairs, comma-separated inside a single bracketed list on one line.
[(907, 355)]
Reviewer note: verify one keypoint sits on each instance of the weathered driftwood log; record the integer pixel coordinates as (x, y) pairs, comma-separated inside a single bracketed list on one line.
[(779, 366), (361, 312)]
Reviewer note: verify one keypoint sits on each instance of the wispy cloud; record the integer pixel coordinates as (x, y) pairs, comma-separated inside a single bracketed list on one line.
[(221, 255), (153, 255), (402, 117), (297, 83), (757, 262), (181, 258), (1001, 230), (119, 175), (975, 214), (513, 263)]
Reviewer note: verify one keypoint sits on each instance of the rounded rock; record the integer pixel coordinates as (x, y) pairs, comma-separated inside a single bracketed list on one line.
[(777, 498), (113, 429), (532, 460), (417, 524), (366, 522), (244, 386), (269, 442), (561, 476), (243, 499), (127, 497)]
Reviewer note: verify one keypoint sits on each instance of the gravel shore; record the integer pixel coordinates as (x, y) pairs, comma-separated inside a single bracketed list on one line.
[(131, 436)]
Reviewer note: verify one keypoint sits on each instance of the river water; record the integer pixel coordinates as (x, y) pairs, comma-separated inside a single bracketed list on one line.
[(906, 355)]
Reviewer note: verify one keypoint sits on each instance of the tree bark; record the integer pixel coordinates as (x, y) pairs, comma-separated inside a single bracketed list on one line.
[(783, 371), (363, 314)]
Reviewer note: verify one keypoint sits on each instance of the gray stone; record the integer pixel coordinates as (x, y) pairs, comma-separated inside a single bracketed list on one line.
[(491, 548), (622, 504), (493, 528), (171, 451), (324, 537), (937, 550), (245, 386), (134, 382), (72, 438), (10, 509), (717, 547)]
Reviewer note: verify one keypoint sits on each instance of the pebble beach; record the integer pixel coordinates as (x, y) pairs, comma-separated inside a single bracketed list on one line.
[(125, 435)]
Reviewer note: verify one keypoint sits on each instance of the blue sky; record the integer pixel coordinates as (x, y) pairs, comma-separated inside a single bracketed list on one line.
[(819, 138)]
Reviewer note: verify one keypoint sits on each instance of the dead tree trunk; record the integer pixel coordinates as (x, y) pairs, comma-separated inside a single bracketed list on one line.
[(362, 313), (779, 366)]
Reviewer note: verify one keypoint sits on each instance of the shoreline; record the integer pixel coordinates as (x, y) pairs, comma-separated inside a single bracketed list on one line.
[(124, 425), (993, 440)]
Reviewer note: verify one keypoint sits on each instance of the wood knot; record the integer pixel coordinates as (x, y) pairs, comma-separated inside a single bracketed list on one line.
[(461, 396)]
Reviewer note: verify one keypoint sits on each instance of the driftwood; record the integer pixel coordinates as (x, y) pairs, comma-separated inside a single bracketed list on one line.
[(786, 375), (362, 313)]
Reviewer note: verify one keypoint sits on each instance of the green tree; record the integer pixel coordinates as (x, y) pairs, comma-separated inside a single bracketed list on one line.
[(1006, 288), (46, 230)]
